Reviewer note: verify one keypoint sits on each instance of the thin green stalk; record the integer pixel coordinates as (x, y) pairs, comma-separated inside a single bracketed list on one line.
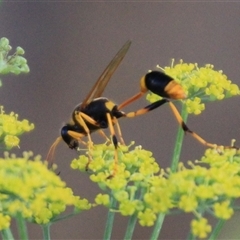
[(174, 165), (133, 219), (217, 229), (7, 234), (179, 141), (46, 231), (130, 227), (110, 219), (64, 217), (191, 236), (158, 226), (22, 228)]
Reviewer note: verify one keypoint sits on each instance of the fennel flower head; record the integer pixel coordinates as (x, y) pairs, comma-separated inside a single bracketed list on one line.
[(135, 169), (201, 84), (30, 189), (141, 188), (11, 127)]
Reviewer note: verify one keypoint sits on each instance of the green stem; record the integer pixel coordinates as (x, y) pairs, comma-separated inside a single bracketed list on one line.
[(110, 219), (22, 228), (217, 229), (133, 219), (179, 141), (191, 236), (158, 226), (130, 227), (64, 217), (7, 234), (174, 165), (46, 231)]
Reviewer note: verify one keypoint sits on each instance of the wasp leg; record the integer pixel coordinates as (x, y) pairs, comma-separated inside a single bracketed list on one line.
[(80, 117), (92, 121), (147, 108), (132, 99), (100, 131), (187, 130), (179, 120), (78, 137), (115, 143), (87, 118), (115, 121)]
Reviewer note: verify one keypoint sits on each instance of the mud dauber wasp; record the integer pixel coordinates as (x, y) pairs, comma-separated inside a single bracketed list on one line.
[(96, 112)]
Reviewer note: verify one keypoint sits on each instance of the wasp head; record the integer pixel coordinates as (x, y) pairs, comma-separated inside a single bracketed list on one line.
[(69, 140)]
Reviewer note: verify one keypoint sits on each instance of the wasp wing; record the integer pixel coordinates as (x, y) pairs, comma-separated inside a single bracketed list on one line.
[(103, 80)]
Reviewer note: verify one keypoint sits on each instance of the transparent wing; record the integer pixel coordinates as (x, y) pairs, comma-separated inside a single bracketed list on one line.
[(103, 80)]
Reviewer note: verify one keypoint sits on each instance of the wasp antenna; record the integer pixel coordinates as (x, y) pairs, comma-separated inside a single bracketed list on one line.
[(52, 150)]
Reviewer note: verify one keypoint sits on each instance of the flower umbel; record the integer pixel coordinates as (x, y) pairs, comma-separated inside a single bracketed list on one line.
[(11, 128), (201, 84), (141, 189), (43, 195)]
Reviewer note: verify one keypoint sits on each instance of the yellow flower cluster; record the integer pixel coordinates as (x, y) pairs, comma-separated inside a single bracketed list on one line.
[(29, 188), (140, 187), (201, 84), (200, 227), (11, 128)]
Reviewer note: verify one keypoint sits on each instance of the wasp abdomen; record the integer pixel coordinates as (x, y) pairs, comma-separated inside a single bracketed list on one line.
[(163, 85)]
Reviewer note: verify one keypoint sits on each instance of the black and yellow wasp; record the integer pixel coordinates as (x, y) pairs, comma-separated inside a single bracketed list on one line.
[(96, 112)]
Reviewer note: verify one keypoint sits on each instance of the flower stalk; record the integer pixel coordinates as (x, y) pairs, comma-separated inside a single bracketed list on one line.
[(110, 219), (158, 226), (217, 229), (179, 140), (174, 165), (46, 231), (130, 227), (22, 228), (7, 234)]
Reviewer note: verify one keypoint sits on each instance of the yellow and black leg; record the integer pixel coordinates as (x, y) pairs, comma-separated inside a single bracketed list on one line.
[(77, 136), (187, 130), (115, 142), (147, 109), (115, 122), (101, 132), (72, 137), (166, 87), (81, 118), (178, 118)]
